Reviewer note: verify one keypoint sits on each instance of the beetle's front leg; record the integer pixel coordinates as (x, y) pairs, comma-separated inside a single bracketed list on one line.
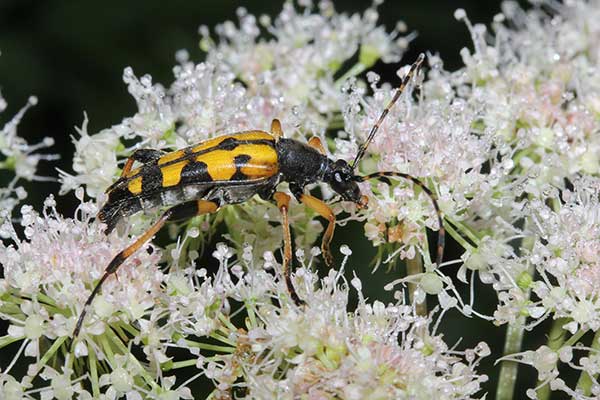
[(283, 203), (324, 211), (178, 212)]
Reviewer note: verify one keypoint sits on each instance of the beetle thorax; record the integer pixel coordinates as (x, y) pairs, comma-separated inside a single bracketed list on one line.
[(300, 163)]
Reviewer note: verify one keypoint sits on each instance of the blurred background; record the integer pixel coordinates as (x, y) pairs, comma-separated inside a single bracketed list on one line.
[(71, 55)]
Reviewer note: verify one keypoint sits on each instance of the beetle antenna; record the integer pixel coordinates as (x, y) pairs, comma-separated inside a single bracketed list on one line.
[(442, 231), (414, 69)]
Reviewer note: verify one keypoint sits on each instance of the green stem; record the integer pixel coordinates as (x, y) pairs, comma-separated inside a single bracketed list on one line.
[(227, 323), (426, 258), (129, 328), (414, 266), (585, 380), (211, 347), (508, 368), (512, 343), (179, 364), (51, 351), (222, 339), (575, 338), (556, 339), (465, 229), (93, 363), (7, 339), (356, 69), (114, 339), (458, 237), (251, 320), (107, 350)]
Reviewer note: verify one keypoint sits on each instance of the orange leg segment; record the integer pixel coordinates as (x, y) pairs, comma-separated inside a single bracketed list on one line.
[(178, 212), (317, 144), (276, 129), (324, 211), (283, 203), (127, 167)]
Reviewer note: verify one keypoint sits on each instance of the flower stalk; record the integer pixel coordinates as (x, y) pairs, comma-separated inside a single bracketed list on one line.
[(509, 368)]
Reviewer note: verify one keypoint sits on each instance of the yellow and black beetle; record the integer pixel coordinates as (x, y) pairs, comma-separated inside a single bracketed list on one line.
[(232, 168)]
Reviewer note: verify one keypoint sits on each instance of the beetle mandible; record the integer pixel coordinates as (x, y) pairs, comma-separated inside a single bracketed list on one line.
[(232, 168)]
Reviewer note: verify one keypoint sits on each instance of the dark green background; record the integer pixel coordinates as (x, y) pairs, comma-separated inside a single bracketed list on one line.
[(71, 54)]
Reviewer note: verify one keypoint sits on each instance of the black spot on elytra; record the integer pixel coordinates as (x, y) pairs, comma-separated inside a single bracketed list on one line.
[(151, 179), (240, 161), (195, 172), (228, 144)]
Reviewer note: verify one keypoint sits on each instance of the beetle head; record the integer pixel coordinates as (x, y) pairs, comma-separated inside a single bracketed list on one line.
[(340, 176)]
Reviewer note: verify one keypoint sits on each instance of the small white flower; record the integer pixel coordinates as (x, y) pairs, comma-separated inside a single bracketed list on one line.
[(20, 158)]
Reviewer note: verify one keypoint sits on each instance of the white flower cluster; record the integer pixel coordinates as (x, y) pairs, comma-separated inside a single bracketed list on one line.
[(46, 280), (60, 258), (281, 351), (20, 158), (509, 144), (531, 226), (320, 349)]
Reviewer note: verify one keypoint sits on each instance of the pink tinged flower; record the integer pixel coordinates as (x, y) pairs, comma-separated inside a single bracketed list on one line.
[(62, 257)]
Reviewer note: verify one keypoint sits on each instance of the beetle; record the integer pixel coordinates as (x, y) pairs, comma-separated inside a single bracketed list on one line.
[(231, 169)]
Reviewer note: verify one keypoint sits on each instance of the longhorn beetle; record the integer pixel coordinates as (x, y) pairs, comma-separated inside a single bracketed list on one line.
[(232, 168)]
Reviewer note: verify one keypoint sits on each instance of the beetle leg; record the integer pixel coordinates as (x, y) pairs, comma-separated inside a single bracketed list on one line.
[(141, 155), (283, 203), (178, 212), (317, 144), (324, 211), (276, 129)]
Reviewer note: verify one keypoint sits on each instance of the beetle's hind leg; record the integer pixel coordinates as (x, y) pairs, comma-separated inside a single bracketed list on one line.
[(283, 203), (178, 212)]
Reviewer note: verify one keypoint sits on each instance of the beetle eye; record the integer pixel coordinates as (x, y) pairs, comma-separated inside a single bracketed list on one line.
[(338, 177)]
